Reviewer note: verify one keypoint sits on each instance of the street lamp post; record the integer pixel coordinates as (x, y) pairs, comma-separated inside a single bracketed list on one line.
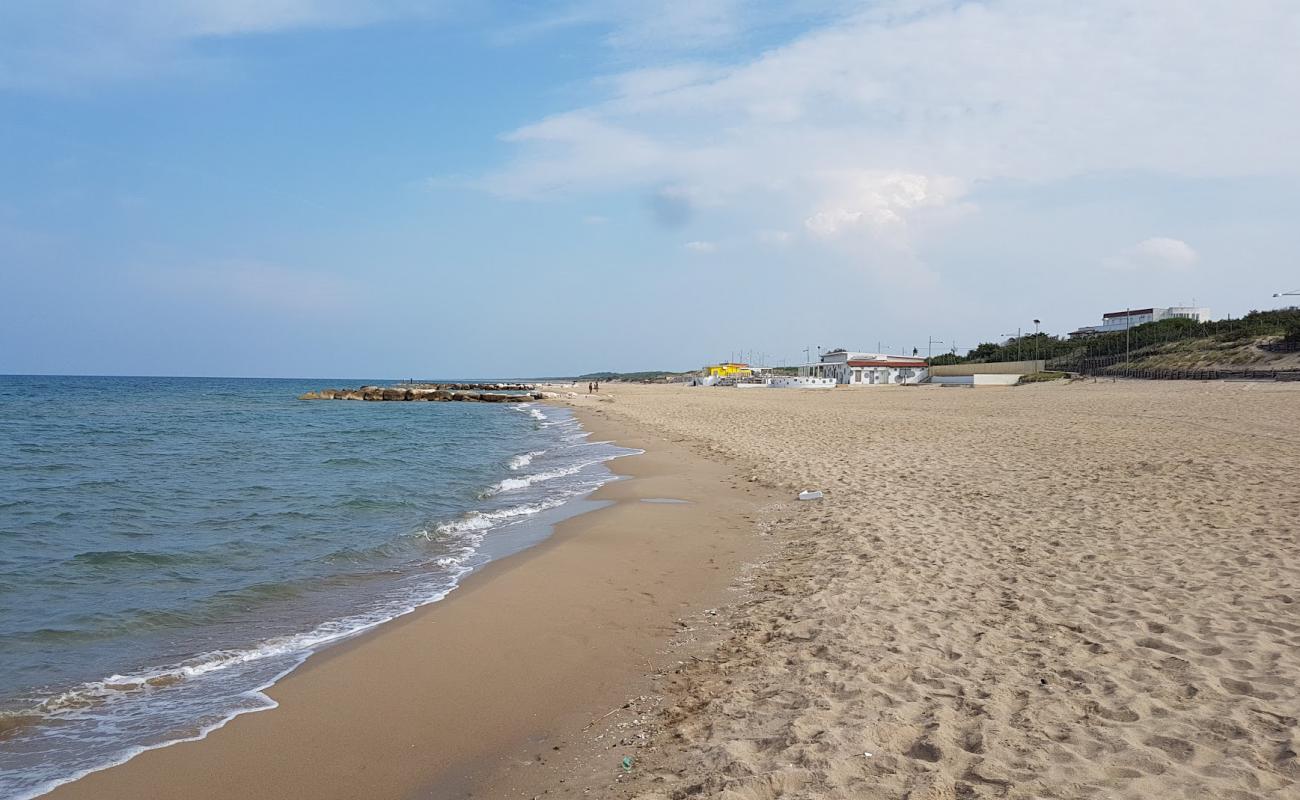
[(929, 350), (1036, 323)]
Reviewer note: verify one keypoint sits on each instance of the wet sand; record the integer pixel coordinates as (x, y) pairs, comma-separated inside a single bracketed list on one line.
[(497, 686)]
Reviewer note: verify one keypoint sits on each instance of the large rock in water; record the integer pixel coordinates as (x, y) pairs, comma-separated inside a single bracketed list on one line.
[(394, 394), (441, 394), (372, 393), (309, 396), (349, 394)]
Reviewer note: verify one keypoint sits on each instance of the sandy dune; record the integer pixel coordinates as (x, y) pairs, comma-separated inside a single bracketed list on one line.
[(1058, 591)]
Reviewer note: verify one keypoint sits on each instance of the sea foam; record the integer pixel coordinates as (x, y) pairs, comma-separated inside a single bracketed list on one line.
[(524, 459)]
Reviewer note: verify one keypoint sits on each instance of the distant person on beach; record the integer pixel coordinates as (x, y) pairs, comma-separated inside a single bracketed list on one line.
[(589, 389), (597, 386)]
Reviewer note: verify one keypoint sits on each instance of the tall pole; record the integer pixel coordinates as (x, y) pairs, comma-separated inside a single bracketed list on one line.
[(1128, 323), (929, 349), (1035, 344)]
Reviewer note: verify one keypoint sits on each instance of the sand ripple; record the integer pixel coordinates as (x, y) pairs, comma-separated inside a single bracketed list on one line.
[(1060, 591)]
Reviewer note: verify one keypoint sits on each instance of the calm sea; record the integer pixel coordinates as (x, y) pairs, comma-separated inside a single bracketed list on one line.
[(169, 547)]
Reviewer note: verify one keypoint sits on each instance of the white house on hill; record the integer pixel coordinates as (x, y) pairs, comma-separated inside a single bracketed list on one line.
[(1131, 318)]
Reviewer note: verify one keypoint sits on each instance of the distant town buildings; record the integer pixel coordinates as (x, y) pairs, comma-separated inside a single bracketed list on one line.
[(1130, 318), (868, 369)]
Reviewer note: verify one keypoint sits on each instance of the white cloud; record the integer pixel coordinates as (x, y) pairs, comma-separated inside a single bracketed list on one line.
[(59, 44), (702, 247), (774, 237), (882, 124), (880, 202), (1155, 255), (670, 25)]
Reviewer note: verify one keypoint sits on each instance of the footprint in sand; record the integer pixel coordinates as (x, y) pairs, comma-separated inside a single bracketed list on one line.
[(1158, 644), (1177, 749), (923, 750), (1244, 688)]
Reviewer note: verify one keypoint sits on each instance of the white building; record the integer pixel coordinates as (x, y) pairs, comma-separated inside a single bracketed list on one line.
[(799, 382), (869, 369), (1131, 318)]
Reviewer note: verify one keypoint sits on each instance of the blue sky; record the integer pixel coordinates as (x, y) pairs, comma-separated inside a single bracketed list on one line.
[(400, 188)]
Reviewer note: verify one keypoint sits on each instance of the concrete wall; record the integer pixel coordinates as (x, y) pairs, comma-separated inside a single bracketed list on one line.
[(996, 380), (976, 380), (996, 368)]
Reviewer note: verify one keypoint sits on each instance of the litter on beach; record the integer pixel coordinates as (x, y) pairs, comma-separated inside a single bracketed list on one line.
[(810, 495)]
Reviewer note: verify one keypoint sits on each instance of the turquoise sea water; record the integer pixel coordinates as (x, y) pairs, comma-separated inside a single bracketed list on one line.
[(171, 546)]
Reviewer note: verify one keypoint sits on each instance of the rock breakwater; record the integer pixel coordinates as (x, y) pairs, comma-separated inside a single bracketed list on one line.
[(454, 392)]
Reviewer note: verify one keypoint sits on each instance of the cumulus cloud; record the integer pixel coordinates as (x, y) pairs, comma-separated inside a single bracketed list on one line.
[(1157, 254), (883, 122), (880, 202)]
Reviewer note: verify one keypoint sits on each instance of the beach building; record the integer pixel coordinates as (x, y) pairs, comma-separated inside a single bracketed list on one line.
[(868, 369), (799, 382), (1132, 317), (727, 373), (728, 369)]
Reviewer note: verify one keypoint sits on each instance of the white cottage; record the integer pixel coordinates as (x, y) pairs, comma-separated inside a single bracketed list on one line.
[(869, 369)]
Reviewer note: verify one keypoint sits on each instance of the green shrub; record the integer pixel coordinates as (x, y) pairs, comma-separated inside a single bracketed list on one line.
[(1043, 377)]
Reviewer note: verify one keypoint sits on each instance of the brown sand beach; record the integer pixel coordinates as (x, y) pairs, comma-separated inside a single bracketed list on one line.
[(1084, 590), (1054, 591)]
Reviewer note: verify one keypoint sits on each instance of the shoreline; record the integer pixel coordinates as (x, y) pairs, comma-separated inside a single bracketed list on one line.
[(442, 701)]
